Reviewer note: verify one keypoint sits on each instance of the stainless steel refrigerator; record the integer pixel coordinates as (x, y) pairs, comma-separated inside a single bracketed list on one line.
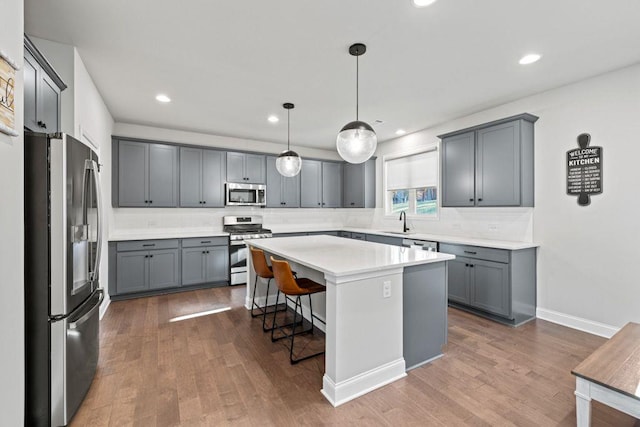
[(63, 238)]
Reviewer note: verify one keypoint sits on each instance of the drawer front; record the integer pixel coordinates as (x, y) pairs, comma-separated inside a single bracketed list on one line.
[(476, 252), (358, 236), (205, 241), (147, 245)]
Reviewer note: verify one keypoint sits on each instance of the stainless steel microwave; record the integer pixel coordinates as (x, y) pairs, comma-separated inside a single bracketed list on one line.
[(246, 194)]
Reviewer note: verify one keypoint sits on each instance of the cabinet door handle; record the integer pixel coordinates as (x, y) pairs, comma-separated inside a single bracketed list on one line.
[(42, 124), (480, 199), (470, 252), (471, 200), (150, 256), (470, 265), (146, 245), (352, 203), (318, 204), (204, 202), (466, 265), (206, 241)]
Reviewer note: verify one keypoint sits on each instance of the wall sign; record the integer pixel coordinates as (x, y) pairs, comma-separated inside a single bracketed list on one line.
[(584, 170), (7, 107)]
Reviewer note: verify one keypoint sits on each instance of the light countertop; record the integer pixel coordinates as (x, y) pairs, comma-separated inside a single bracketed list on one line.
[(338, 256), (174, 233)]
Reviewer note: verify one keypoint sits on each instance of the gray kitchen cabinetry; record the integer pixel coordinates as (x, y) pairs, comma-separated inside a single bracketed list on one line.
[(282, 191), (42, 91), (146, 174), (246, 167), (489, 165), (387, 240), (205, 260), (146, 266), (499, 284), (359, 185), (321, 184), (202, 176)]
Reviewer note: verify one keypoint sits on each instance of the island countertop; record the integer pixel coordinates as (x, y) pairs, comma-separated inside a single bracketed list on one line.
[(338, 256)]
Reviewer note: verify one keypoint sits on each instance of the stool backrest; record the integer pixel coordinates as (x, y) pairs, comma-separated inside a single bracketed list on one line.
[(284, 277), (259, 262)]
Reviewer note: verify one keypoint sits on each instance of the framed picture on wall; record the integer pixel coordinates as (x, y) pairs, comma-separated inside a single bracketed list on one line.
[(8, 70)]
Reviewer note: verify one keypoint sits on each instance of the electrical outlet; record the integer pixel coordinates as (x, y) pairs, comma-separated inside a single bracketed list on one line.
[(386, 289), (493, 227)]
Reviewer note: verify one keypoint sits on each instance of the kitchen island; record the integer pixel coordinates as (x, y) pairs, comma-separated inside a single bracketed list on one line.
[(383, 304)]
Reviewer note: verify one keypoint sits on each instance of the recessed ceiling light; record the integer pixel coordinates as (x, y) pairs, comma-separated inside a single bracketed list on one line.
[(423, 3), (401, 132), (163, 98), (273, 119), (529, 59)]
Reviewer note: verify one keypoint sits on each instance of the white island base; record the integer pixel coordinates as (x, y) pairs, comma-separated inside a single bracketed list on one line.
[(363, 305)]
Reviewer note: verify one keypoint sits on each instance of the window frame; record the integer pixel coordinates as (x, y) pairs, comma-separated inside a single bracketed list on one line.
[(411, 213)]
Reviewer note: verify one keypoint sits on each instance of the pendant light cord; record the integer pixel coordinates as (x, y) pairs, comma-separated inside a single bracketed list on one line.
[(357, 85), (288, 127)]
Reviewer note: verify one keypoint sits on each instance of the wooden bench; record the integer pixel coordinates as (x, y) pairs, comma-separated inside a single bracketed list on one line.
[(611, 375)]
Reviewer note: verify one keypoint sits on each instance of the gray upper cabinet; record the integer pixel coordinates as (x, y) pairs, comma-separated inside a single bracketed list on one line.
[(311, 184), (331, 185), (246, 167), (202, 175), (282, 192), (321, 184), (489, 165), (42, 92), (147, 174), (359, 185)]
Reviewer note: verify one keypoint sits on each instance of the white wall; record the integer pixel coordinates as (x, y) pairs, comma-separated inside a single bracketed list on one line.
[(12, 232), (586, 262)]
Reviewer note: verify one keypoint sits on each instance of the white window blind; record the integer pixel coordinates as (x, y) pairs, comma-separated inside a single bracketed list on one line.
[(417, 171)]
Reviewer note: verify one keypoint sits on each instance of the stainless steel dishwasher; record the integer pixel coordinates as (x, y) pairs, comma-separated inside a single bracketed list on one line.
[(424, 244)]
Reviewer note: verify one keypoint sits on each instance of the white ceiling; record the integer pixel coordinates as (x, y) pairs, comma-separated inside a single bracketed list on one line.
[(227, 65)]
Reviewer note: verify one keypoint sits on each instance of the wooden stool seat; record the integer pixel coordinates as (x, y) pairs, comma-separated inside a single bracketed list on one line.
[(295, 287)]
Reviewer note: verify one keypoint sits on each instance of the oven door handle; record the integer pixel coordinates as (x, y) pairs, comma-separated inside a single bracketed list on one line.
[(237, 243)]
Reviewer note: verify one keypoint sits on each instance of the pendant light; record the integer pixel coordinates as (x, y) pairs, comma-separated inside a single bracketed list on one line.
[(288, 162), (357, 141)]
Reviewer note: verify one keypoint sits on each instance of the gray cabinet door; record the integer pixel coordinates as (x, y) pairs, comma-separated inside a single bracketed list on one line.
[(31, 68), (163, 175), (458, 171), (490, 288), (254, 165), (217, 263), (190, 177), (291, 191), (459, 280), (498, 165), (213, 176), (274, 184), (331, 185), (193, 266), (311, 184), (49, 104), (387, 240), (235, 167), (164, 269), (133, 172), (353, 185), (132, 272)]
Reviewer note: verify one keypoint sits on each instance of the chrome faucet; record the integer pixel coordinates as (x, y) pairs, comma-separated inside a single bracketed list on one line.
[(404, 224)]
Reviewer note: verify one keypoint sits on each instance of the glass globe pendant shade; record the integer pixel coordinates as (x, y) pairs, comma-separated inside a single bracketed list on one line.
[(289, 163), (356, 142)]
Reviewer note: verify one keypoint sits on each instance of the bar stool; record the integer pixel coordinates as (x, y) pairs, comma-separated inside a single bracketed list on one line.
[(262, 270), (294, 287)]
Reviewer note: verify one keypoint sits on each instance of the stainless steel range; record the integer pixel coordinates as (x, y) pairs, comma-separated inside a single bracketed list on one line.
[(241, 228)]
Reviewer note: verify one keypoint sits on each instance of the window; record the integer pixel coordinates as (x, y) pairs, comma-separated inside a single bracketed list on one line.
[(411, 184)]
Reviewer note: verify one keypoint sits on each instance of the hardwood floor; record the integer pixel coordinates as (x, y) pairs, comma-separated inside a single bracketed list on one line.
[(221, 369)]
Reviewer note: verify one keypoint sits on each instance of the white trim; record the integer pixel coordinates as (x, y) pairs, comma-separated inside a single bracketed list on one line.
[(105, 305), (9, 60), (579, 323), (361, 384), (88, 138)]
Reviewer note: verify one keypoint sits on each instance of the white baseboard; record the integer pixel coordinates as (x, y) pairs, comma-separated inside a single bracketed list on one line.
[(578, 323), (105, 305), (344, 391)]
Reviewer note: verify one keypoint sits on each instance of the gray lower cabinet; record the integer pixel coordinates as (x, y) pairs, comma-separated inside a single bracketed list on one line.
[(147, 267), (202, 177), (146, 174), (205, 260), (140, 269), (490, 164), (498, 283), (246, 167), (359, 185), (42, 92), (282, 192), (387, 240)]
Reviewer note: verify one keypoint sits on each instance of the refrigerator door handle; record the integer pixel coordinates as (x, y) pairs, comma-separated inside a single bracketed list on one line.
[(92, 166), (88, 314)]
